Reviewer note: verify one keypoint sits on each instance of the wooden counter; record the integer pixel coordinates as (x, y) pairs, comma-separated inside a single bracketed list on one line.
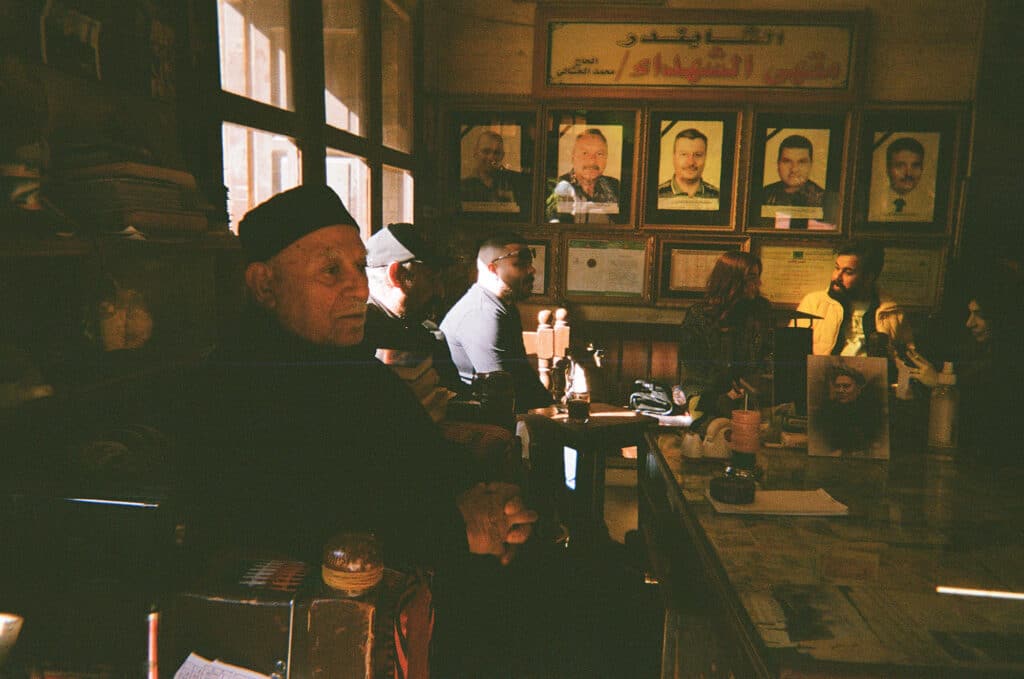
[(849, 596)]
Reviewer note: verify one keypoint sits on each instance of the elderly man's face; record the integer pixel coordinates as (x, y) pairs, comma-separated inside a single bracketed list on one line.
[(794, 168), (490, 152), (317, 288), (905, 171), (688, 158), (589, 157), (421, 285), (844, 389)]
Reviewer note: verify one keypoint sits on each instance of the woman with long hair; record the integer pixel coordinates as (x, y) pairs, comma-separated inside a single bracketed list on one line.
[(725, 337)]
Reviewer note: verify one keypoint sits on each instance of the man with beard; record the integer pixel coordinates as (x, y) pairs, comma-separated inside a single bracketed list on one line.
[(853, 309), (852, 418), (795, 186), (484, 330), (586, 181)]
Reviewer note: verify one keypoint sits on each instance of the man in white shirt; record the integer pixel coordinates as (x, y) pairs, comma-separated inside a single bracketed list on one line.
[(852, 309)]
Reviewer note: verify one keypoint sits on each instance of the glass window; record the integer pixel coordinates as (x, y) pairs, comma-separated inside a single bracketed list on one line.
[(349, 176), (396, 73), (345, 65), (397, 195), (257, 165), (255, 50)]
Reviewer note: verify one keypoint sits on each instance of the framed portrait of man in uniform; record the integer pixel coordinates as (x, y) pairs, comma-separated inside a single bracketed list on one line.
[(908, 160), (690, 173), (493, 162), (590, 167), (796, 177)]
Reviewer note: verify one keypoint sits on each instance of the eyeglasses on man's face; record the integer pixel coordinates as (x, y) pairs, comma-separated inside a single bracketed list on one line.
[(523, 257)]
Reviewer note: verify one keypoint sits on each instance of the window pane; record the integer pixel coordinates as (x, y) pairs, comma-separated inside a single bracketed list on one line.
[(349, 176), (396, 72), (345, 65), (257, 165), (255, 50), (397, 195)]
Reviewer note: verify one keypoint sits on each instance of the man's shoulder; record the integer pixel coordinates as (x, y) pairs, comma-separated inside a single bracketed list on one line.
[(474, 304), (610, 182), (710, 190), (817, 298), (665, 189)]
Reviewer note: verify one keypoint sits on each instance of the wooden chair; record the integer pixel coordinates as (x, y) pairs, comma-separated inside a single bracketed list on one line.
[(549, 342)]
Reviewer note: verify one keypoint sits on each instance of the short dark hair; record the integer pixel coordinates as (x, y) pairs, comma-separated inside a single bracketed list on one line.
[(691, 133), (494, 245), (796, 141), (870, 254), (838, 370), (903, 144)]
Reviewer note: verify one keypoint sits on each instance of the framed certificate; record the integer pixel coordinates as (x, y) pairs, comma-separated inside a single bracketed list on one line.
[(684, 266), (606, 269), (791, 270)]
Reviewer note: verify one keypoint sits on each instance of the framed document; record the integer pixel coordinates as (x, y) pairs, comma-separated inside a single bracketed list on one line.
[(606, 269), (790, 271), (796, 176), (492, 157), (913, 275), (684, 266), (589, 167), (545, 259), (631, 52), (907, 165), (690, 171)]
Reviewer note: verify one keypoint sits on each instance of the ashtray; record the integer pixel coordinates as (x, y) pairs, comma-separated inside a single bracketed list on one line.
[(735, 487)]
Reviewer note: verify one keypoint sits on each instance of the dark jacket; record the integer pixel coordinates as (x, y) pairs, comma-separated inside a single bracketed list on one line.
[(299, 440)]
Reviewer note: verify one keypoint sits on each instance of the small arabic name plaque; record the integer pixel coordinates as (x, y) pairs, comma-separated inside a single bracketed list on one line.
[(770, 54)]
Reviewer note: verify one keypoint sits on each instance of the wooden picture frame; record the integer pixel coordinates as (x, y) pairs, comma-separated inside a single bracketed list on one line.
[(545, 261), (906, 178), (644, 53), (797, 176), (791, 269), (583, 187), (492, 164), (914, 274), (684, 266), (607, 268), (697, 149)]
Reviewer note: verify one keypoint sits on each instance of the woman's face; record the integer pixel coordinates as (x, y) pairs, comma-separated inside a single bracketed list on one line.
[(977, 323), (752, 282)]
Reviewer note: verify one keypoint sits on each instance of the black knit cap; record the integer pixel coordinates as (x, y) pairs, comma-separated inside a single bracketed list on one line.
[(275, 224)]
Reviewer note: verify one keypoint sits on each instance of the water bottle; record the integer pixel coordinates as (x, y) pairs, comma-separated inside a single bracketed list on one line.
[(942, 430)]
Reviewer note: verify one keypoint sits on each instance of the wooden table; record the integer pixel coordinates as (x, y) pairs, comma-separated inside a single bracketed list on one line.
[(851, 596), (608, 430)]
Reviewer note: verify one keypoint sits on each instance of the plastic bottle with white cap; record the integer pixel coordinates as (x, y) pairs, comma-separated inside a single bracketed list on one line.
[(942, 429)]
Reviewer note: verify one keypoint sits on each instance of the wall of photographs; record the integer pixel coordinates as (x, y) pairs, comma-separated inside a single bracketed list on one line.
[(630, 205)]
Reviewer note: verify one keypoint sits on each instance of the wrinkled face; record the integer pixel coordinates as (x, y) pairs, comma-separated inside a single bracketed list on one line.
[(752, 283), (589, 157), (515, 268), (490, 152), (977, 323), (318, 289), (848, 278), (688, 159), (905, 170), (794, 167), (843, 389)]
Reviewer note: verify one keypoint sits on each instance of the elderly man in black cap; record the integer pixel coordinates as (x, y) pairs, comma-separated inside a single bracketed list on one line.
[(308, 433)]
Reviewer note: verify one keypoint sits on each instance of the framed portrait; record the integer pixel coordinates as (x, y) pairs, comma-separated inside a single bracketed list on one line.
[(493, 161), (848, 406), (589, 167), (599, 268), (684, 266), (906, 170), (690, 176), (796, 177)]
